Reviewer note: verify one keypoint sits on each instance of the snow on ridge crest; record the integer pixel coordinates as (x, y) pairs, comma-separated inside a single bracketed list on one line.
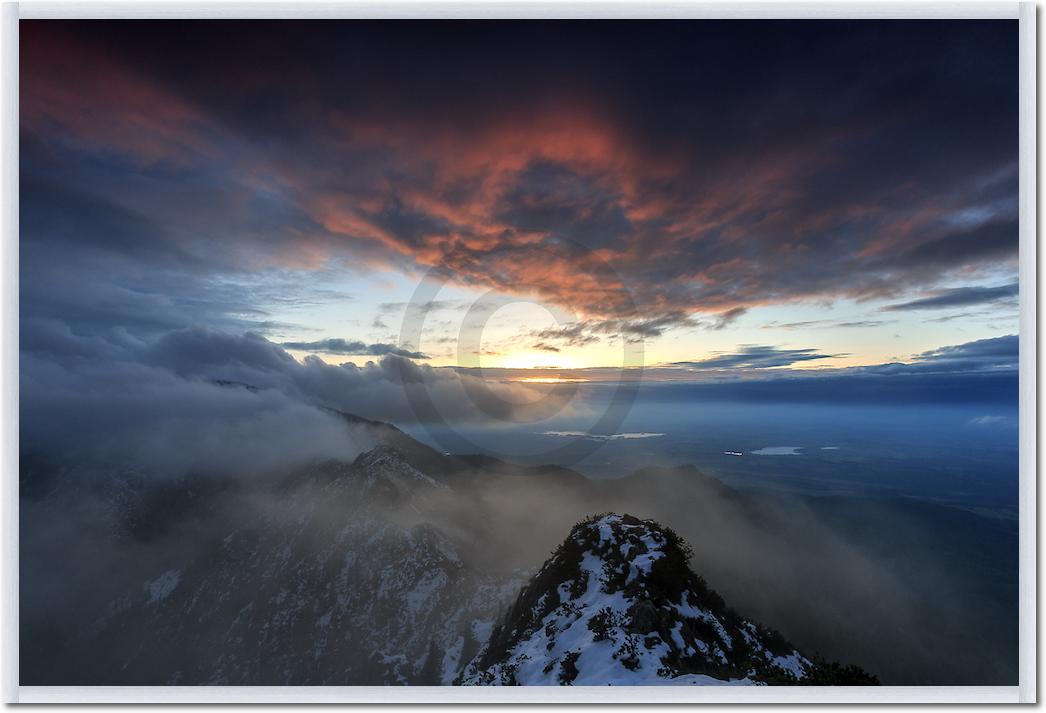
[(618, 604)]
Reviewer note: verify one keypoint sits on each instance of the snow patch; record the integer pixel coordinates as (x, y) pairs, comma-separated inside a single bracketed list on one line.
[(161, 587)]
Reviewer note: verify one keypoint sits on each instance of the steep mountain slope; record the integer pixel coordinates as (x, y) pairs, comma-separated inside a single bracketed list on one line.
[(329, 581), (617, 604)]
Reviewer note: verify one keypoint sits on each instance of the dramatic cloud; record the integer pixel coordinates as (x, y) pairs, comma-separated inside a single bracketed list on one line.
[(960, 297), (188, 188), (642, 189), (756, 357), (352, 348)]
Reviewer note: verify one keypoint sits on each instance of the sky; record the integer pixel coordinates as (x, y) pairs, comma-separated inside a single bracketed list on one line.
[(734, 198), (805, 232)]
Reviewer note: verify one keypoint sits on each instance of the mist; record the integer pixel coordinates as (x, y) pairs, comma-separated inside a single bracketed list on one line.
[(202, 400), (137, 458), (897, 588)]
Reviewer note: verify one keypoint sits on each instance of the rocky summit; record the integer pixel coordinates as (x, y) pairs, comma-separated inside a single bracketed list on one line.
[(618, 604)]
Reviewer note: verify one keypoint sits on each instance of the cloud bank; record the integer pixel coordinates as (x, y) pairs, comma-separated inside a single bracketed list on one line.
[(200, 400), (353, 348)]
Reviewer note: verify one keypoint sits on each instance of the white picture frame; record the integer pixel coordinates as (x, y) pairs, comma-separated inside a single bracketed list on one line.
[(1024, 13)]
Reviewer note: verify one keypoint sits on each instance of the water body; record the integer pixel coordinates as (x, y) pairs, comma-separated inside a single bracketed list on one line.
[(936, 452), (778, 451)]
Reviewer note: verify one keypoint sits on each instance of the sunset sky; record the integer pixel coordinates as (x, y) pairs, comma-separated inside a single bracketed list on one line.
[(749, 195)]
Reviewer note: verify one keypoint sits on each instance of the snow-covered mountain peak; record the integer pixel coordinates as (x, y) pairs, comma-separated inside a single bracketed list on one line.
[(618, 604)]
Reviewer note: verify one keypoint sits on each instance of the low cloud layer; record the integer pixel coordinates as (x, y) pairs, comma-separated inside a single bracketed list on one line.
[(352, 348), (199, 399), (178, 402)]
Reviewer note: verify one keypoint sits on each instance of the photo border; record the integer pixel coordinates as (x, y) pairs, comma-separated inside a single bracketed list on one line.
[(1024, 12)]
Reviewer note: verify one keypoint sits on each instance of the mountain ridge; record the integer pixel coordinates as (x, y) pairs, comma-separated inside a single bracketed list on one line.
[(617, 604), (498, 519)]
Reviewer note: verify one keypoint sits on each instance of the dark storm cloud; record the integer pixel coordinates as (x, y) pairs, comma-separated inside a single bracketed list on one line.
[(352, 348), (959, 297), (824, 160), (756, 357)]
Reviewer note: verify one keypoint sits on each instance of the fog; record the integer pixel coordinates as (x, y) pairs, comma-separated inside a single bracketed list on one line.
[(137, 456), (202, 400), (914, 593), (903, 602)]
